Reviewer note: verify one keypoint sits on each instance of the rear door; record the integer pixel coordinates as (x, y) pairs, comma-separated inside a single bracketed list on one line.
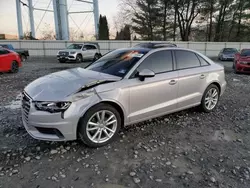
[(157, 95), (192, 71), (93, 51), (88, 53)]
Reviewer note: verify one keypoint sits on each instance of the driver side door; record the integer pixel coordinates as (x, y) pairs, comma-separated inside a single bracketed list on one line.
[(154, 96)]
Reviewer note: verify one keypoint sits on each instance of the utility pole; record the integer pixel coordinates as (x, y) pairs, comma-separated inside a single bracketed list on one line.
[(61, 19), (19, 19), (31, 17), (96, 17)]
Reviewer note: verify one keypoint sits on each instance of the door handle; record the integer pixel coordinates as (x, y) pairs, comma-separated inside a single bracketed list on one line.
[(172, 82), (202, 76)]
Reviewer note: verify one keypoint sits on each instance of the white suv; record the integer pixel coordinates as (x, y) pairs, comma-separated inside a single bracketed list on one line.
[(79, 52)]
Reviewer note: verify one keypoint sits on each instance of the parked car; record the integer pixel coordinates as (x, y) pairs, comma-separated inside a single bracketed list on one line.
[(227, 54), (9, 61), (24, 54), (124, 87), (242, 61), (80, 52), (154, 45)]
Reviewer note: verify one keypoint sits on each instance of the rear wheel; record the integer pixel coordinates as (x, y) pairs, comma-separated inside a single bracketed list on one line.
[(96, 57), (79, 58), (210, 98), (99, 126), (14, 67)]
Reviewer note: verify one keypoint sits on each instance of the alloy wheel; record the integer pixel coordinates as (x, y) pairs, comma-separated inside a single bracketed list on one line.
[(101, 126), (211, 98)]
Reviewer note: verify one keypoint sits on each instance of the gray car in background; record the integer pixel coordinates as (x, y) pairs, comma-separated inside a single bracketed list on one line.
[(227, 54), (124, 87)]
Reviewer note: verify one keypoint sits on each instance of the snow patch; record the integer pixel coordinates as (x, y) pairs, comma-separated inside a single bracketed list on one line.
[(15, 104)]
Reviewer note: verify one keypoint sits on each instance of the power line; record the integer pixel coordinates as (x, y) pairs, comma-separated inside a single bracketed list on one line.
[(43, 15)]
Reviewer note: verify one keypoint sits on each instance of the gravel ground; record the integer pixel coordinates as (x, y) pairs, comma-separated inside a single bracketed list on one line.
[(185, 149)]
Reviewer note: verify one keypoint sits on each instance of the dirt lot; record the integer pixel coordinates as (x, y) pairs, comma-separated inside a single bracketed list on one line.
[(186, 149)]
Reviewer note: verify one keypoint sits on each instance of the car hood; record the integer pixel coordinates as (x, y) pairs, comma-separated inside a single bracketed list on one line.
[(244, 58), (57, 86)]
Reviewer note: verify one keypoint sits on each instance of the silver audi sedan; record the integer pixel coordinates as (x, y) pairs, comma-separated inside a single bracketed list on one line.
[(123, 87)]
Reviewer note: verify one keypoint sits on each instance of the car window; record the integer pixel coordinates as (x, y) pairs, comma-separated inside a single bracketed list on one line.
[(118, 62), (75, 46), (4, 46), (186, 59), (92, 47), (202, 61), (245, 52), (3, 51), (158, 62), (230, 50), (89, 47)]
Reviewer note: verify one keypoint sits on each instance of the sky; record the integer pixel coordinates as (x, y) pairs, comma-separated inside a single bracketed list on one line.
[(83, 23)]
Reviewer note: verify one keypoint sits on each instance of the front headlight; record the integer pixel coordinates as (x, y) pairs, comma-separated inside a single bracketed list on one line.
[(52, 107), (72, 52), (243, 62)]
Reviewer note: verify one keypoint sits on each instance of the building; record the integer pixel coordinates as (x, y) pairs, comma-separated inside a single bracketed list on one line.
[(8, 37)]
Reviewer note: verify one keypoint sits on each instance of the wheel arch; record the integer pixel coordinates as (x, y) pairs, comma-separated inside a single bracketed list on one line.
[(217, 84), (79, 54), (111, 103)]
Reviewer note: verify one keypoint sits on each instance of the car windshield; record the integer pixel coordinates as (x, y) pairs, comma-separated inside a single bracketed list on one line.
[(75, 46), (117, 62), (245, 52), (230, 50)]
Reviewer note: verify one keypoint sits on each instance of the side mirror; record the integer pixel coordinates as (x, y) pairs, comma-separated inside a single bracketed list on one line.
[(84, 49), (146, 73)]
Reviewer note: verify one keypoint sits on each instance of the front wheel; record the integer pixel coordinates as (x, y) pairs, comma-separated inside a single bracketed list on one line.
[(210, 98), (14, 67), (99, 126), (79, 58), (235, 69)]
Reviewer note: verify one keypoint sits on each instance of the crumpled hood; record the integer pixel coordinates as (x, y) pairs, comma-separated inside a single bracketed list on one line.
[(57, 86)]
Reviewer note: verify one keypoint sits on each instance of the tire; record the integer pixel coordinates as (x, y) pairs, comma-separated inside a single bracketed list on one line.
[(96, 57), (23, 58), (207, 97), (14, 67), (79, 58), (235, 70), (91, 137), (62, 61)]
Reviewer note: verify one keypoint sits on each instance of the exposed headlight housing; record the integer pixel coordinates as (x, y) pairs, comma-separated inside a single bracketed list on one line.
[(52, 107), (243, 62), (72, 52)]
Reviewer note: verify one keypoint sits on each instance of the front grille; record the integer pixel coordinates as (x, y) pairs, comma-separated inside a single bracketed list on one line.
[(63, 53), (247, 69), (26, 107)]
